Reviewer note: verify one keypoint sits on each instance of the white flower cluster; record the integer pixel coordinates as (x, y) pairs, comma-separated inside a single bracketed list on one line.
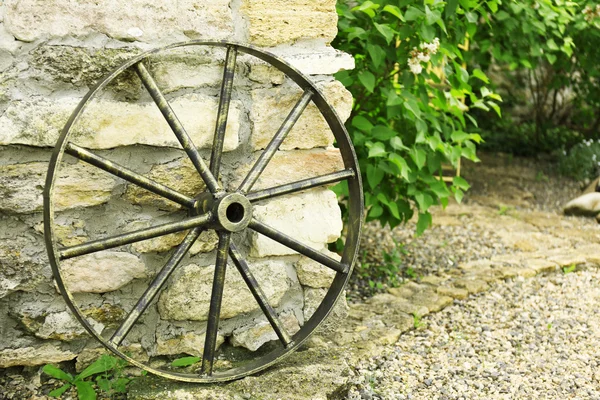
[(422, 54), (591, 13)]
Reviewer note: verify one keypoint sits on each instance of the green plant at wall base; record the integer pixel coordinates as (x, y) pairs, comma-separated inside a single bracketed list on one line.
[(413, 99), (108, 376)]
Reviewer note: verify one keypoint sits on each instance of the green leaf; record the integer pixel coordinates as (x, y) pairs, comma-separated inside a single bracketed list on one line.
[(418, 156), (381, 132), (477, 73), (459, 136), (103, 364), (387, 32), (427, 32), (526, 63), (431, 17), (551, 58), (424, 201), (460, 183), (395, 11), (59, 392), (185, 361), (377, 149), (502, 15), (85, 390), (423, 223), (393, 207), (552, 44), (413, 14), (368, 7), (413, 106), (496, 108), (450, 8), (367, 79), (103, 384), (397, 144), (57, 373), (362, 123), (439, 189), (374, 176), (471, 17), (401, 164), (120, 385), (458, 195), (377, 54), (375, 211)]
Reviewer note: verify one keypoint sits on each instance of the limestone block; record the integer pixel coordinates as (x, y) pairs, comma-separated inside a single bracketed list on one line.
[(188, 297), (84, 66), (472, 285), (455, 293), (271, 106), (63, 326), (313, 218), (143, 20), (20, 268), (260, 332), (107, 124), (190, 343), (206, 243), (292, 166), (174, 75), (316, 61), (32, 356), (586, 205), (78, 185), (180, 175), (101, 272), (264, 73), (311, 273), (272, 23)]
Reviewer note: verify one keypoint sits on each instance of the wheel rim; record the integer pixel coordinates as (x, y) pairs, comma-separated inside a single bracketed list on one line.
[(225, 212)]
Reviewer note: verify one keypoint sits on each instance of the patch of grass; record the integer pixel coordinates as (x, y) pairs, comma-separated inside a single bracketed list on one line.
[(417, 323), (569, 269), (504, 209)]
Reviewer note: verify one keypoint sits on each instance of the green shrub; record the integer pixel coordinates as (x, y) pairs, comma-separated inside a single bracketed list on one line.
[(543, 58), (582, 161), (413, 94)]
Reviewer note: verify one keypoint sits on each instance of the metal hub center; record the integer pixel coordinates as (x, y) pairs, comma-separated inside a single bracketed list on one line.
[(232, 212)]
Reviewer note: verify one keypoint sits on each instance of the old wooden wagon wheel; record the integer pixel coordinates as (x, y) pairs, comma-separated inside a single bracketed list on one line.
[(227, 212)]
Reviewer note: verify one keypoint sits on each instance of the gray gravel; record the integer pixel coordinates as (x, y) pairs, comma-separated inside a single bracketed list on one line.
[(536, 338)]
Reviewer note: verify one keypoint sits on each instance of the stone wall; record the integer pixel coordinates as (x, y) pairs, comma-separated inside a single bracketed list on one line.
[(51, 53)]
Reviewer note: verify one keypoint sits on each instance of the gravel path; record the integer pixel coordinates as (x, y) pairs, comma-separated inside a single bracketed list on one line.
[(536, 338)]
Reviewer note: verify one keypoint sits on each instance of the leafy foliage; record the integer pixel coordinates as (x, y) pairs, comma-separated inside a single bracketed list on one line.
[(414, 92), (543, 57), (109, 378), (582, 161)]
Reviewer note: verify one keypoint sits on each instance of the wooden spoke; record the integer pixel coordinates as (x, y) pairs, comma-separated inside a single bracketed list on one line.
[(158, 282), (129, 175), (135, 236), (223, 113), (297, 246), (216, 298), (301, 185), (259, 295), (177, 128)]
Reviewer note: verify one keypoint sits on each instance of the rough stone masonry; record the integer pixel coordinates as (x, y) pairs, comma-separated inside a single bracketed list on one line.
[(51, 53)]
